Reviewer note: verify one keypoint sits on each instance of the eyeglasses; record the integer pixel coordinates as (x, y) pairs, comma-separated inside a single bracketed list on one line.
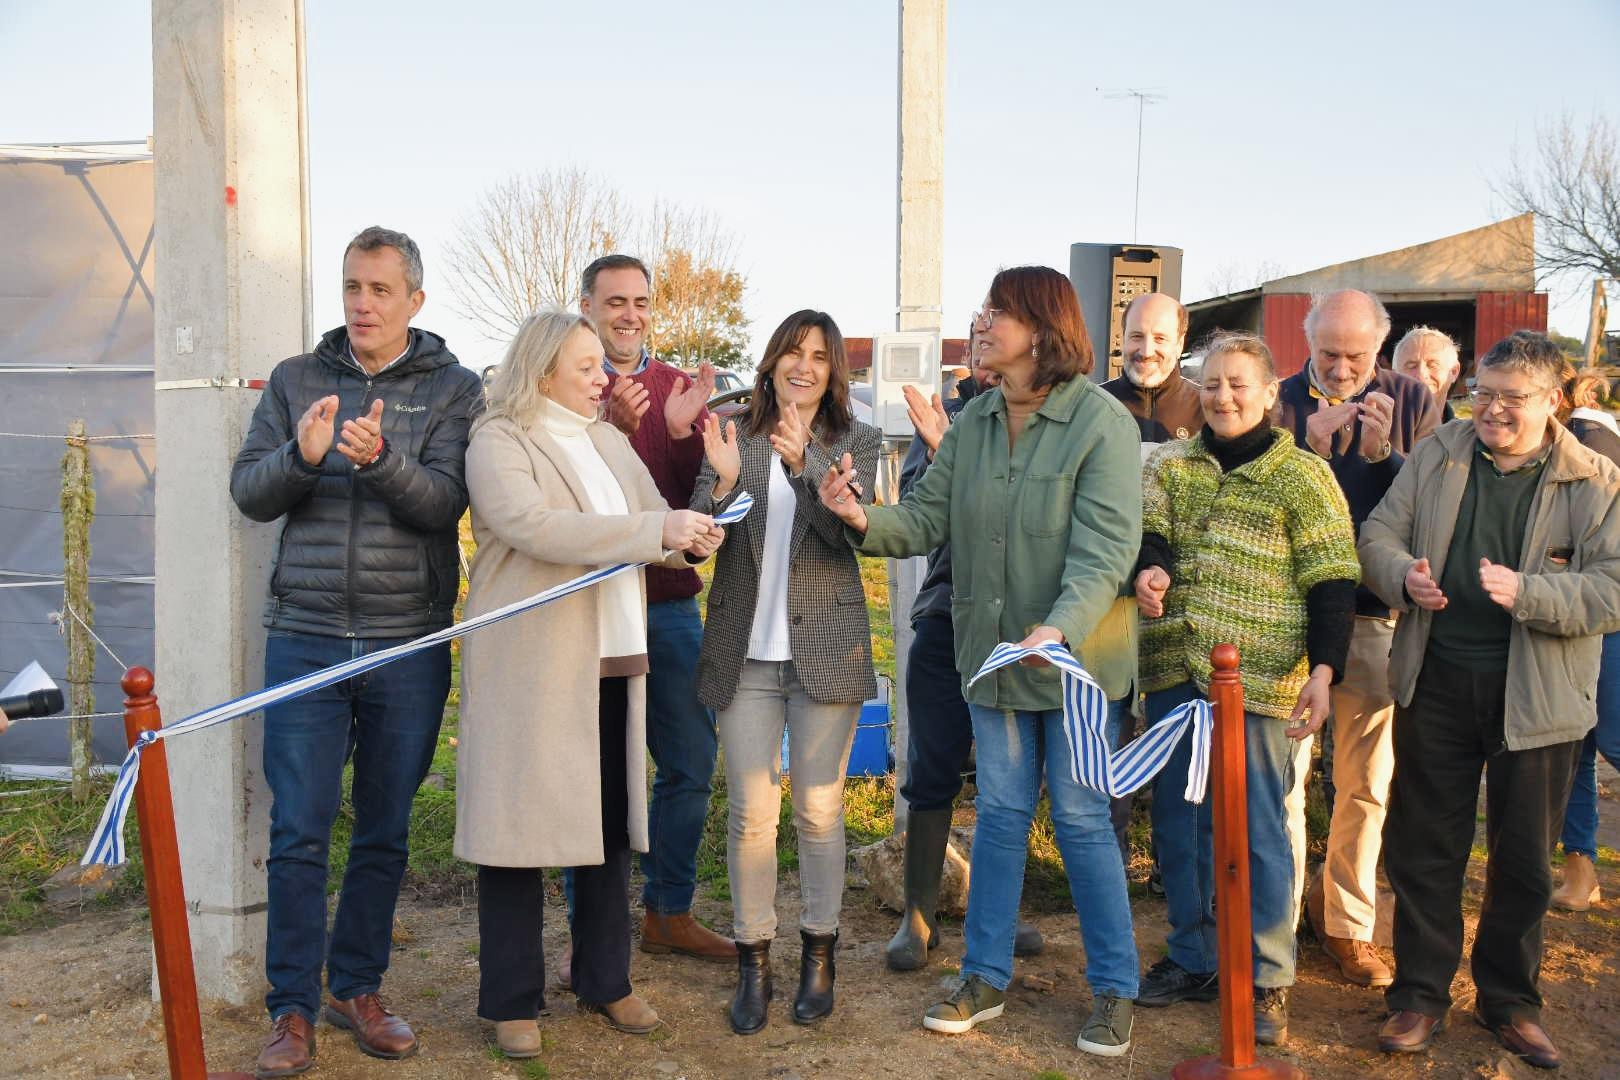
[(1510, 400), (984, 320)]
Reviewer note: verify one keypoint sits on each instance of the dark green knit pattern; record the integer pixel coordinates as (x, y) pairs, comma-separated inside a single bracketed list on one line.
[(1247, 547)]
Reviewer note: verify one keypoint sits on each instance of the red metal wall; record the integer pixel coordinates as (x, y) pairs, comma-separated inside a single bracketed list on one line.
[(1282, 324), (1498, 314)]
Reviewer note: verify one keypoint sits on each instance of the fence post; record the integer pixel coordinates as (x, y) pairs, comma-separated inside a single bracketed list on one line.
[(1229, 787), (78, 512), (165, 891)]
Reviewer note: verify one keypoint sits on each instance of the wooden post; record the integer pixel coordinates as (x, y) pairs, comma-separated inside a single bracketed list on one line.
[(1229, 787), (78, 512), (165, 892)]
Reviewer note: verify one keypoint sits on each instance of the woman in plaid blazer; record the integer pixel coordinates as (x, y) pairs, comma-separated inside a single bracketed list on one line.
[(787, 644)]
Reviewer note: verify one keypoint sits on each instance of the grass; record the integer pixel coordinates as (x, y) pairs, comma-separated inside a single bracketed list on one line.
[(43, 830)]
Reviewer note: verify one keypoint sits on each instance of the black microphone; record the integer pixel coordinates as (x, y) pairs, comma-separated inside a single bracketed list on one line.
[(35, 703)]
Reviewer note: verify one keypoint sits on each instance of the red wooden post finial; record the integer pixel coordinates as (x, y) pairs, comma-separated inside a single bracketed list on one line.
[(137, 683), (1224, 657)]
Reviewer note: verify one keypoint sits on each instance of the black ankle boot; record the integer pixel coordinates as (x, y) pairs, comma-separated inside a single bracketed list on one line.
[(928, 833), (817, 971), (754, 990)]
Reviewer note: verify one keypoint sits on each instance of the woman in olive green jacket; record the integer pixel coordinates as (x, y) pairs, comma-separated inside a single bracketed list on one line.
[(1037, 486)]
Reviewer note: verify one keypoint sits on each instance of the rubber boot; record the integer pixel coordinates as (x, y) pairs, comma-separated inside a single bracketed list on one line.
[(754, 990), (818, 970), (928, 832)]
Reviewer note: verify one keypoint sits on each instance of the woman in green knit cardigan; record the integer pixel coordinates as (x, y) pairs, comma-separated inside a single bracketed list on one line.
[(1246, 540)]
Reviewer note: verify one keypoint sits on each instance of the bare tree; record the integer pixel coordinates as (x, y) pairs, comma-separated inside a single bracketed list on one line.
[(526, 243), (1572, 185), (1235, 276), (529, 238)]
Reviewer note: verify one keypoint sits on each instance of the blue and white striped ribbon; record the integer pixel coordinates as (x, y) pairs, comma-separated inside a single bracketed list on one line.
[(1093, 762), (107, 842)]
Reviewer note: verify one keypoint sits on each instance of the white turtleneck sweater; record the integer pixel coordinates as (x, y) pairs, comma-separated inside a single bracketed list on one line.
[(622, 622)]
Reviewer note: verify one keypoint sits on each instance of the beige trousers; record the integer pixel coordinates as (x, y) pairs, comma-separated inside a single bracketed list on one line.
[(1363, 766)]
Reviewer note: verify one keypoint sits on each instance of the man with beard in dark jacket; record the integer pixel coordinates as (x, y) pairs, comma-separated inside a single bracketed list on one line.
[(359, 445)]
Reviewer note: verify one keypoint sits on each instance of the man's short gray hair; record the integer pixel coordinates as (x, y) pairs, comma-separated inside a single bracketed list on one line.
[(374, 237), (1319, 301), (1418, 335), (1536, 355)]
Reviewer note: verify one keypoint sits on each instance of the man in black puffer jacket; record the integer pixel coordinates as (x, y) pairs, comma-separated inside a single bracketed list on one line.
[(359, 445)]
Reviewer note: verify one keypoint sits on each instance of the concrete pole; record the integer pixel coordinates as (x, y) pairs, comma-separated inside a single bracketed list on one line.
[(229, 150), (918, 272)]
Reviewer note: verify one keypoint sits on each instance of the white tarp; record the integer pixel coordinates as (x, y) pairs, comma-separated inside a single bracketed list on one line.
[(75, 343)]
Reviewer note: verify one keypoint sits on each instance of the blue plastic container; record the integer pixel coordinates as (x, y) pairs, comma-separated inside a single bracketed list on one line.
[(870, 754)]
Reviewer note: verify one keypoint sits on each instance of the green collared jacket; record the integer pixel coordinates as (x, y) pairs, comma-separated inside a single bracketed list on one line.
[(1044, 535)]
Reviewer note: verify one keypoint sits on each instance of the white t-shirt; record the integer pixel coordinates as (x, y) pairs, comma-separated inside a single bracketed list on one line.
[(768, 639)]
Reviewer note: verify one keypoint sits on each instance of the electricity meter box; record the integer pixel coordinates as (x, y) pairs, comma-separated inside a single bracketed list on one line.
[(902, 358), (1107, 278)]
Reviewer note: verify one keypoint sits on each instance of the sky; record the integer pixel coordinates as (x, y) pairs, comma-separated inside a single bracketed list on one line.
[(1289, 136)]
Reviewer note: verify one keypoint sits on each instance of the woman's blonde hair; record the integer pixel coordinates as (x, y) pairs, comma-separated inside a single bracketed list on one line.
[(514, 392)]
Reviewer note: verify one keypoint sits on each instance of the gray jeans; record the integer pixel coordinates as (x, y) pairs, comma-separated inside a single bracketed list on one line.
[(768, 698)]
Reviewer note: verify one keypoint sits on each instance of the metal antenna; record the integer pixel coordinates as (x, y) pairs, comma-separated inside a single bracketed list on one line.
[(1144, 97)]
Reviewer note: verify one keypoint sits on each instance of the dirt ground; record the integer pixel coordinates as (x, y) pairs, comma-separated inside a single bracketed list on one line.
[(75, 1004)]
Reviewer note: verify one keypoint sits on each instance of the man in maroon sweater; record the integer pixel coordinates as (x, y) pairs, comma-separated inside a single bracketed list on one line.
[(662, 411)]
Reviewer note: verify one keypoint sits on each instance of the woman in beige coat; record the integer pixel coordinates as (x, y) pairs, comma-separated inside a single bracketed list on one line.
[(551, 765)]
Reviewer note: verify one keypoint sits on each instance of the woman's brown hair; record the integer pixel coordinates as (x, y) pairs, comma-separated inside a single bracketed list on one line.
[(1045, 301), (833, 416)]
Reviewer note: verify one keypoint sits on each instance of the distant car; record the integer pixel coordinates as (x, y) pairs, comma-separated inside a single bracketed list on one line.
[(733, 402), (724, 381)]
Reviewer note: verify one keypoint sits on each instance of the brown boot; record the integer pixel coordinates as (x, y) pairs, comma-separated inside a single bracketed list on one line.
[(1579, 890), (291, 1049), (1358, 961), (377, 1031), (518, 1038), (565, 968), (629, 1014), (685, 935)]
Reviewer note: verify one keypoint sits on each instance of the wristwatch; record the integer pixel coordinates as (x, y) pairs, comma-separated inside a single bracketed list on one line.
[(1383, 454)]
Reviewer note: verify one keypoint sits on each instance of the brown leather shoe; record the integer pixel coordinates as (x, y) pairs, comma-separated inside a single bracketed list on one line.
[(565, 968), (1358, 961), (629, 1014), (377, 1031), (1405, 1031), (291, 1049), (1579, 889), (1525, 1038), (685, 935)]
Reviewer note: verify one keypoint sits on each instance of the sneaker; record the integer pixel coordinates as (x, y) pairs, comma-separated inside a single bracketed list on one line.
[(972, 1002), (1167, 982), (1271, 1015), (1108, 1032)]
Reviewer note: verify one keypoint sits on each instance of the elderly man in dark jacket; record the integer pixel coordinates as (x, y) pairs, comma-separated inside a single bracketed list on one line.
[(359, 445)]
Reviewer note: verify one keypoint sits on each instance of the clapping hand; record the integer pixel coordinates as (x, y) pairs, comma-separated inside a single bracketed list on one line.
[(315, 429), (361, 438), (841, 493), (1501, 583), (720, 447), (790, 438), (1423, 590), (683, 405), (1322, 426), (627, 404), (1377, 413), (927, 417)]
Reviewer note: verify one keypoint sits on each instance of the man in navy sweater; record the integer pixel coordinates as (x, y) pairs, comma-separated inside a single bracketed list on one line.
[(1363, 420)]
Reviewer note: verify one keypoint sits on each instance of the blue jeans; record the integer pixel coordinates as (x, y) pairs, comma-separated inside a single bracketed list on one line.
[(386, 720), (1184, 837), (1581, 818), (1014, 748), (681, 736)]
